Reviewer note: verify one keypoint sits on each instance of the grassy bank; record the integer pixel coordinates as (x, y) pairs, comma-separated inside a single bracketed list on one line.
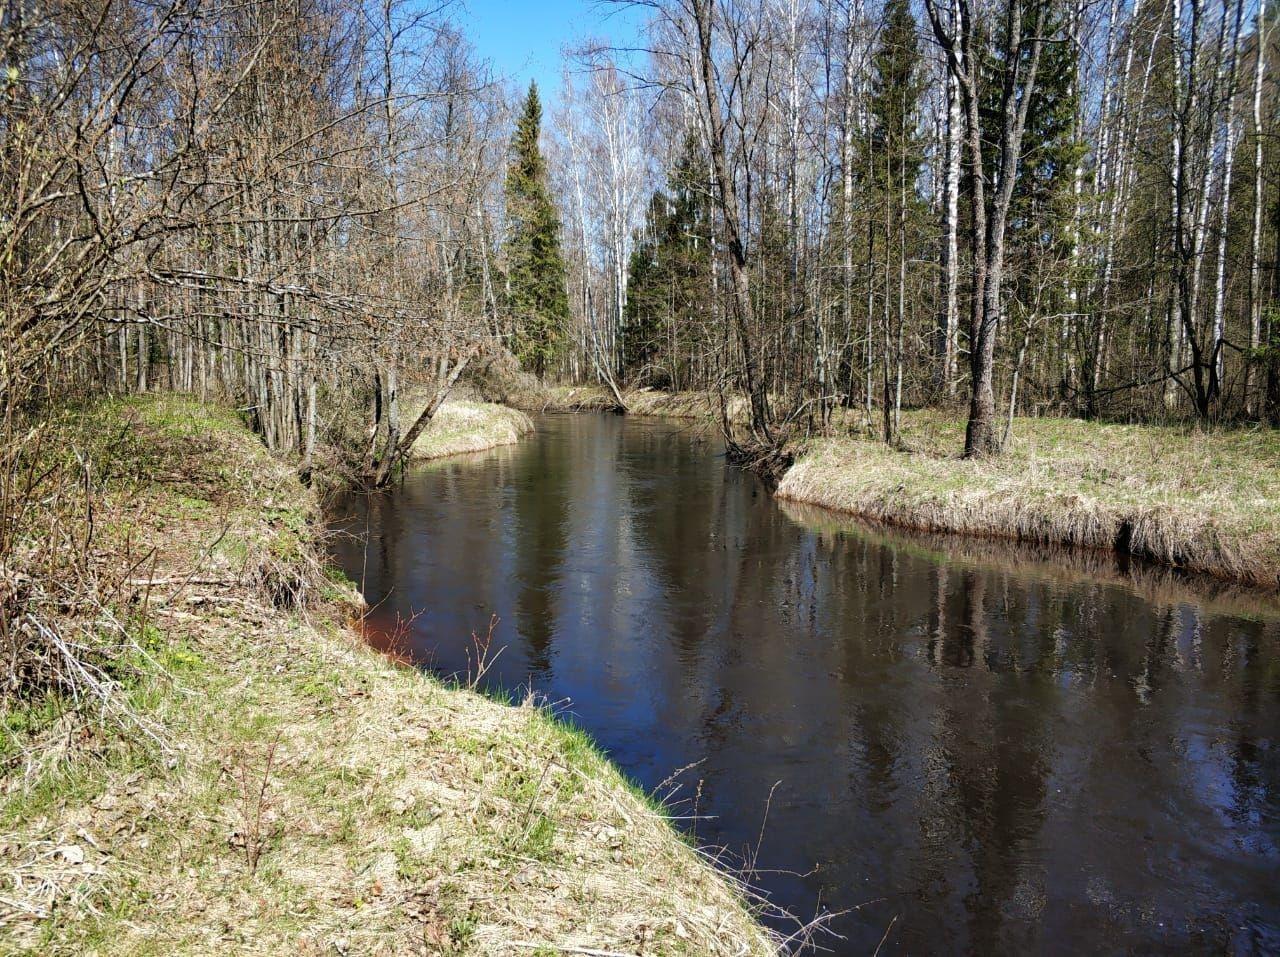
[(1161, 585), (464, 426), (264, 783), (596, 398), (534, 397), (1207, 502)]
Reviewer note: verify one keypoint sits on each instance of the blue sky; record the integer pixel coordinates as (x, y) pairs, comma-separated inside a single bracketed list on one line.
[(523, 40)]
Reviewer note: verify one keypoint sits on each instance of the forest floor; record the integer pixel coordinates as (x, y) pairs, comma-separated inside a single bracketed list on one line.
[(1203, 500), (257, 780)]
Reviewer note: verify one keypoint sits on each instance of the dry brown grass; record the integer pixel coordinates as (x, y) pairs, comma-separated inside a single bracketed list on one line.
[(312, 796), (1208, 502), (596, 398), (461, 426), (1204, 501), (534, 397), (685, 405), (1161, 585)]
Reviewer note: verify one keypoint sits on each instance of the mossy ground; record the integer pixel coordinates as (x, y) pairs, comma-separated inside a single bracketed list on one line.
[(296, 792)]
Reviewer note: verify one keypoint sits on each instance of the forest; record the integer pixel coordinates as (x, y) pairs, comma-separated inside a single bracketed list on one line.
[(1039, 207)]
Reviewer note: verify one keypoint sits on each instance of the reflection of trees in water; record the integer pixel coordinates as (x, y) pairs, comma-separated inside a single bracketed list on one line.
[(997, 647), (945, 731), (1020, 662), (540, 507), (1255, 768), (365, 532), (687, 518), (409, 545), (1081, 569), (676, 505), (999, 760)]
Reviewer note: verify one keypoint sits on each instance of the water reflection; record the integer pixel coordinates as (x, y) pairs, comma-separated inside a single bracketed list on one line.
[(1003, 751)]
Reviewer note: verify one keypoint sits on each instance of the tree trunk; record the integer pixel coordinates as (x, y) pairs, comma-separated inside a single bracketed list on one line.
[(948, 321), (734, 240), (1255, 244), (403, 446), (391, 407)]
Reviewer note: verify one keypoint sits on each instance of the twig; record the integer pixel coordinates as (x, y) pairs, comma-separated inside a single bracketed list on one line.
[(152, 582), (886, 935), (33, 910), (570, 949), (254, 842)]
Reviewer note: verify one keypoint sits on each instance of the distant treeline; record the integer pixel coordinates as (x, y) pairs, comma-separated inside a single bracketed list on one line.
[(1041, 205)]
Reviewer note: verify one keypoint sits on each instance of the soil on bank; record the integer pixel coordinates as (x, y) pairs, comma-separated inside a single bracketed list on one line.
[(272, 785)]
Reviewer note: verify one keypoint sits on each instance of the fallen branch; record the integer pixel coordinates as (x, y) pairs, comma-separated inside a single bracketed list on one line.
[(569, 949), (180, 580)]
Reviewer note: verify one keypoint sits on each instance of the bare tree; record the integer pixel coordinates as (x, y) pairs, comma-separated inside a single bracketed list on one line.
[(1021, 45)]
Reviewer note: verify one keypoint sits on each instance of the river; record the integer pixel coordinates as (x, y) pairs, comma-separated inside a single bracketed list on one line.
[(960, 747)]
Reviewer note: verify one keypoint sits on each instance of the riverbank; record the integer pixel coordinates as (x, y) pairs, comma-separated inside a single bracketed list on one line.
[(1206, 502), (595, 398), (1064, 567), (243, 774), (460, 425)]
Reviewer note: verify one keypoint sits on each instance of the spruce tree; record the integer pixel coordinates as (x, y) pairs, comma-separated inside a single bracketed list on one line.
[(648, 303), (1040, 213), (1042, 230), (670, 276), (537, 298), (897, 151), (895, 155)]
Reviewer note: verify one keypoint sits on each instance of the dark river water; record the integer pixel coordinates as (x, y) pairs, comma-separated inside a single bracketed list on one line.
[(971, 747)]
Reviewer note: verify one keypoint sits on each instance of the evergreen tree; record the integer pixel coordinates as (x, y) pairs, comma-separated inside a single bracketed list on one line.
[(647, 289), (669, 280), (897, 150), (1042, 207), (1043, 226), (537, 296)]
